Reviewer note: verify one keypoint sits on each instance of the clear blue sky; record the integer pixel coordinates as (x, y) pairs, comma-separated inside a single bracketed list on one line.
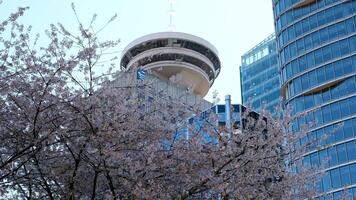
[(232, 26)]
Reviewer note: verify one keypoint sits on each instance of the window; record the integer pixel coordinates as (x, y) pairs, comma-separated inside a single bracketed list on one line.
[(352, 105), (338, 11), (316, 40), (341, 153), (345, 175), (329, 72), (349, 86), (273, 60), (338, 68), (353, 173), (298, 28), (293, 51), (348, 7), (321, 3), (333, 32), (221, 108), (353, 190), (326, 53), (312, 77), (319, 186), (335, 178), (330, 139), (338, 133), (284, 55), (324, 36), (341, 29), (337, 195), (318, 116), (283, 19), (305, 82), (321, 18), (335, 50), (308, 42), (353, 44), (350, 27), (291, 89), (334, 92), (344, 108), (300, 46), (313, 7), (308, 101), (285, 36), (280, 41), (326, 95), (300, 104), (306, 159), (314, 159), (326, 113), (327, 181), (335, 111), (305, 24), (320, 74), (333, 156), (348, 129), (313, 22), (347, 65), (301, 121), (302, 63), (354, 125), (318, 57), (329, 15), (291, 33), (295, 68), (344, 47), (297, 85), (351, 150), (323, 154)]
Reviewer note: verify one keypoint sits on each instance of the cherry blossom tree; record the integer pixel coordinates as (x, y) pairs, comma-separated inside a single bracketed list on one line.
[(69, 132)]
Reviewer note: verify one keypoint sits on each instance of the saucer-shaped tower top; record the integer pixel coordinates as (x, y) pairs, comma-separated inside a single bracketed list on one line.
[(188, 60)]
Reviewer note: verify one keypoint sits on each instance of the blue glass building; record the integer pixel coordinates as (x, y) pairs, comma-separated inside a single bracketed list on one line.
[(316, 43), (259, 76), (217, 116)]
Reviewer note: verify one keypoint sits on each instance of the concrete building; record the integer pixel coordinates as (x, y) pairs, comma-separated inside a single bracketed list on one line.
[(316, 44), (181, 65), (175, 66), (259, 76), (184, 59)]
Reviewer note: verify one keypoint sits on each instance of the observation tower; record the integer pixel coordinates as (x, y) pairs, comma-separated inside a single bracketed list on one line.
[(185, 59)]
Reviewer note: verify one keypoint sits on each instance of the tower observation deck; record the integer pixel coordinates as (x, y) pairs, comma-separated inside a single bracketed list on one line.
[(190, 61)]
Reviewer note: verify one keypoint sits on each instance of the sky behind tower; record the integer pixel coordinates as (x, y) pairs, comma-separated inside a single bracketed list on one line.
[(232, 26)]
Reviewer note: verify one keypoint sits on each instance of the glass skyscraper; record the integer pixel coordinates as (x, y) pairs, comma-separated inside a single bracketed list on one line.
[(215, 117), (259, 76), (316, 43)]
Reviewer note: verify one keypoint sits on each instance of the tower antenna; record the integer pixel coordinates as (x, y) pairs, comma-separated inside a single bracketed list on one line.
[(171, 12)]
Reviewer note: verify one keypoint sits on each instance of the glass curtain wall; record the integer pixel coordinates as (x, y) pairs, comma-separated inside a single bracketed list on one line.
[(260, 83), (316, 44)]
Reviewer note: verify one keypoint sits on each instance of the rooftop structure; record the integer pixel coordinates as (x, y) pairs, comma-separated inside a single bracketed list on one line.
[(185, 59), (259, 51)]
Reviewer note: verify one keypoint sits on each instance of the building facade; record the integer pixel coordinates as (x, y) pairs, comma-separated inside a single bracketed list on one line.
[(152, 86), (259, 76), (316, 44), (172, 67), (219, 118)]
